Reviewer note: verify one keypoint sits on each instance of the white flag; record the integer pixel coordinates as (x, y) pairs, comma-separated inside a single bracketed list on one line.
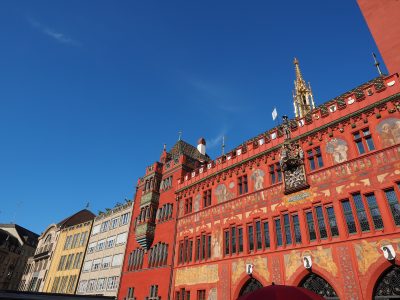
[(274, 114)]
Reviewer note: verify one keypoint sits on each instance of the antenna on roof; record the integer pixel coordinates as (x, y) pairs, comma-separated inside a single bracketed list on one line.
[(180, 135), (223, 145), (87, 205), (377, 64)]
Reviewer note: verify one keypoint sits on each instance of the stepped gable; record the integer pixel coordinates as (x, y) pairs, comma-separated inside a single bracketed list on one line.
[(81, 216), (181, 147)]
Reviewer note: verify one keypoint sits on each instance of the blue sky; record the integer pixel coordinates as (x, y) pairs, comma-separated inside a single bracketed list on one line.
[(91, 90)]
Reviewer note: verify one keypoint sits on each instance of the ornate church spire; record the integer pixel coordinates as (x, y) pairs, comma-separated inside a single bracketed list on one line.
[(303, 99)]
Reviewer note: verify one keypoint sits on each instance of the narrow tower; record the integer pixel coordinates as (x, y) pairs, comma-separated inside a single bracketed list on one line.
[(303, 99)]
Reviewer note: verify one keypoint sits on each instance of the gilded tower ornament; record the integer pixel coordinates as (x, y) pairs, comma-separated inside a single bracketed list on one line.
[(303, 100), (292, 164)]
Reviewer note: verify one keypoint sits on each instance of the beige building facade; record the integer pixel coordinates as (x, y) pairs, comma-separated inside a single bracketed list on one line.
[(103, 261), (67, 258), (38, 265)]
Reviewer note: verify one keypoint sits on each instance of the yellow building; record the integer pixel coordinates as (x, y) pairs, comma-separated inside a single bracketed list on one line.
[(68, 256)]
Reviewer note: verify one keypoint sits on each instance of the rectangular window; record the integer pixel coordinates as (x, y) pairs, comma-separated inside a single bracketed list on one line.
[(363, 141), (121, 238), (296, 227), (240, 239), (114, 223), (188, 205), (83, 239), (288, 231), (201, 294), (77, 261), (197, 248), (267, 242), (278, 231), (242, 185), (275, 173), (68, 264), (96, 229), (71, 284), (315, 158), (251, 237), (226, 238), (101, 284), (96, 264), (394, 205), (101, 245), (310, 225), (68, 241), (125, 219), (361, 213), (92, 247), (332, 221), (348, 214), (117, 260), (87, 266), (233, 240), (258, 235), (61, 263), (112, 283), (106, 263), (323, 234), (75, 240), (104, 226), (110, 242), (374, 210), (207, 198), (203, 247)]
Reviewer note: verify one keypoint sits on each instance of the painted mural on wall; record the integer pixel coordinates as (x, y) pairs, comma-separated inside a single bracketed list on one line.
[(295, 199), (337, 148), (212, 294), (322, 257), (260, 268), (197, 275), (258, 181), (292, 261), (217, 212), (196, 204), (216, 244), (369, 252), (223, 193), (389, 131)]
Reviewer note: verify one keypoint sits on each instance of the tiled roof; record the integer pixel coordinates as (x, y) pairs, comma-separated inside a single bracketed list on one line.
[(181, 147)]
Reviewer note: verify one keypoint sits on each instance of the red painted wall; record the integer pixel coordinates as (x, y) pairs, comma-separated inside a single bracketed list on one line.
[(383, 21), (350, 263)]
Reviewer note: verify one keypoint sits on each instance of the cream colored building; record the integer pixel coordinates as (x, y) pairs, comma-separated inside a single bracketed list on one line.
[(38, 265), (104, 257), (67, 258)]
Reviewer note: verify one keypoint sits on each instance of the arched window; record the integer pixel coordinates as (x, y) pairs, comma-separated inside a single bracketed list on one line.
[(318, 285), (250, 286), (388, 285)]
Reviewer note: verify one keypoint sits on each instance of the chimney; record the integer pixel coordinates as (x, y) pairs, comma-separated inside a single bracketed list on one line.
[(201, 146)]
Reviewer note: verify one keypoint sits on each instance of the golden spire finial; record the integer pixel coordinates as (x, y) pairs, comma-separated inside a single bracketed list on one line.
[(302, 94), (297, 69)]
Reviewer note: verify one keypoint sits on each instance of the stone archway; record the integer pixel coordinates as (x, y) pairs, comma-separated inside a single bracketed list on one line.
[(319, 285), (388, 285), (250, 286)]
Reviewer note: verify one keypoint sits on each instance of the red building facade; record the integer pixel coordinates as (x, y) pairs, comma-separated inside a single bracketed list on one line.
[(382, 19), (313, 202)]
